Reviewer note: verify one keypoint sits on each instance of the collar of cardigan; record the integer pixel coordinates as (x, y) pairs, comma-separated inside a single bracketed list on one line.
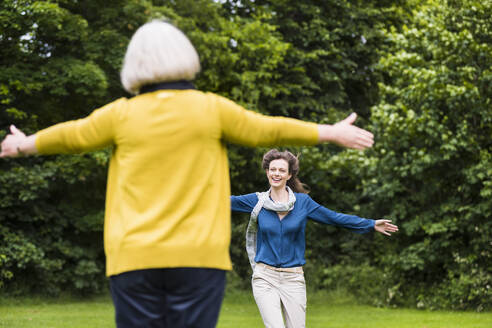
[(174, 85)]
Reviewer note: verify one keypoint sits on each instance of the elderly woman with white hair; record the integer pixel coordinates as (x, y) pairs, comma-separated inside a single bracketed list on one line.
[(167, 215)]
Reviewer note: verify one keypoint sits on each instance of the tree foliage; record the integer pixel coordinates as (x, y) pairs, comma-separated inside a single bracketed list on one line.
[(328, 71), (418, 73), (430, 168), (48, 76), (60, 60)]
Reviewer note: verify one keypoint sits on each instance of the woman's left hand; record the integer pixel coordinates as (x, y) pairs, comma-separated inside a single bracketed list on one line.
[(385, 227)]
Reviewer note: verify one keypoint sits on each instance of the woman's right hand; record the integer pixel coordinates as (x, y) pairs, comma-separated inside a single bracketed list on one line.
[(345, 134)]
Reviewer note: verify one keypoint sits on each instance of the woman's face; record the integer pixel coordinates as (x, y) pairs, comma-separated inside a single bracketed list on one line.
[(278, 173)]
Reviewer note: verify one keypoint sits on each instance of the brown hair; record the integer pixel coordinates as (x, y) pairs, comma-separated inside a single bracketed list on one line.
[(294, 183)]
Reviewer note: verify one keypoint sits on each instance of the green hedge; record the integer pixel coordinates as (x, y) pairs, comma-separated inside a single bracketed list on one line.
[(417, 72)]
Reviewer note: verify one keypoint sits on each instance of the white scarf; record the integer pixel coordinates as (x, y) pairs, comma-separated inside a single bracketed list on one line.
[(264, 201)]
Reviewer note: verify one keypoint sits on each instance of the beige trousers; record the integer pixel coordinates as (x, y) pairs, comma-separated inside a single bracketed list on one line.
[(280, 296)]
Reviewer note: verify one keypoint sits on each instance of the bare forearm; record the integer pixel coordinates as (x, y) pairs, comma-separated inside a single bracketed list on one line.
[(28, 146)]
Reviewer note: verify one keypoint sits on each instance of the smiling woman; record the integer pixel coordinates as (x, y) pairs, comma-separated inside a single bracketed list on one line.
[(275, 239)]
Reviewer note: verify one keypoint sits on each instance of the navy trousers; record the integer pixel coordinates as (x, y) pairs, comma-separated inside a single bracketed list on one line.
[(168, 298)]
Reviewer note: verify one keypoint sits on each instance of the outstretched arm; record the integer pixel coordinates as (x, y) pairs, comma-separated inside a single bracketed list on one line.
[(17, 144), (385, 227), (252, 129), (324, 215), (357, 224), (352, 222), (93, 132)]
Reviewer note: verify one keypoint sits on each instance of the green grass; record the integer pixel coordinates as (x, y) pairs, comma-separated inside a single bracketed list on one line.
[(49, 313), (238, 310)]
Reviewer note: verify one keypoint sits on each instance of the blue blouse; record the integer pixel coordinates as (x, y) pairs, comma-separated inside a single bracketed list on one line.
[(282, 243)]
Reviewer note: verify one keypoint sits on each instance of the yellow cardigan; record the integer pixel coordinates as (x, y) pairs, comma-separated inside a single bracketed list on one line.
[(167, 200)]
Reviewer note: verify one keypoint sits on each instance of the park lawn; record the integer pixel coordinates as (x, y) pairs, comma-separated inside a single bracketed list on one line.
[(50, 313), (238, 311)]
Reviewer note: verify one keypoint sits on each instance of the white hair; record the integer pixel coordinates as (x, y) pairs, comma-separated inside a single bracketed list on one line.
[(158, 52)]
